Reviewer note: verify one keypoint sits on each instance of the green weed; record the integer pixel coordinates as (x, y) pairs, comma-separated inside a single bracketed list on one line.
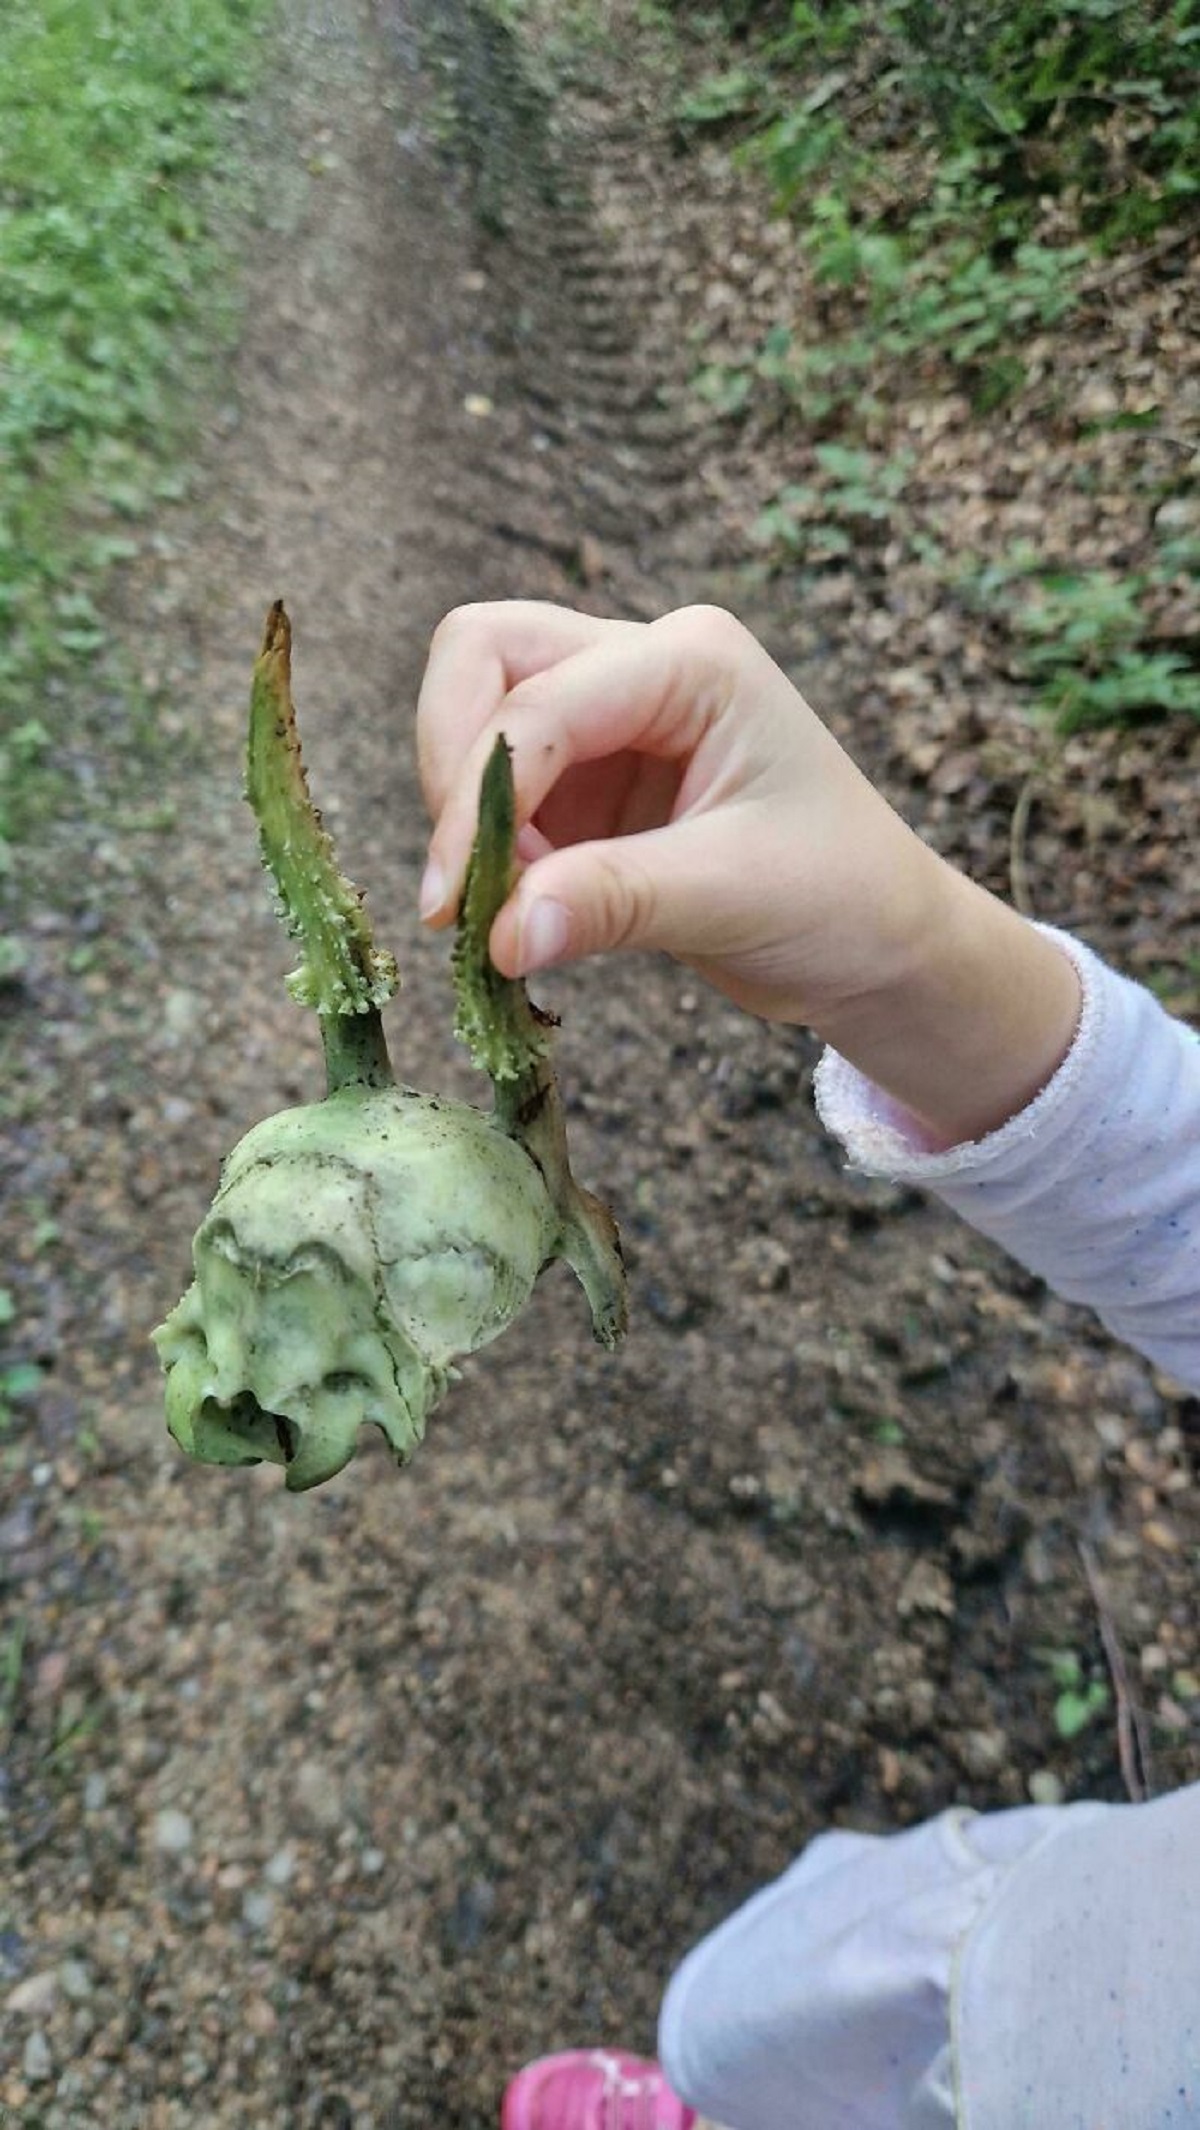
[(1095, 98), (847, 506), (1084, 639), (114, 125), (918, 146), (19, 1380), (1078, 1699), (12, 1661)]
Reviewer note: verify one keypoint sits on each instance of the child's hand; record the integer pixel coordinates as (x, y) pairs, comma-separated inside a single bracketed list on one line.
[(681, 795), (675, 792)]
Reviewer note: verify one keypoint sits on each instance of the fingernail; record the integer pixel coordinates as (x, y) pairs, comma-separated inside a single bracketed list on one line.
[(544, 934), (433, 890)]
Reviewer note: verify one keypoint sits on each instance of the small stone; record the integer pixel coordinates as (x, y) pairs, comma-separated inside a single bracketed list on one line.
[(281, 1868), (182, 1011), (317, 1794), (260, 2017), (926, 1589), (1045, 1788), (172, 1832), (51, 1674), (1171, 1716), (258, 1909), (372, 1862), (889, 1480), (75, 1980), (1160, 1534), (983, 1752), (37, 2064), (35, 1997), (95, 1793)]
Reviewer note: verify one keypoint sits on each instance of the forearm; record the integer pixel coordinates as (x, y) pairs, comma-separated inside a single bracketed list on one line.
[(976, 1021), (1095, 1185)]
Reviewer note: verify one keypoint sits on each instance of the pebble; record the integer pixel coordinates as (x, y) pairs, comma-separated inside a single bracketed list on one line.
[(182, 1011), (37, 2064), (317, 1794), (1045, 1788), (172, 1832), (35, 1996), (75, 1980), (258, 1909), (983, 1752), (260, 2017), (280, 1869)]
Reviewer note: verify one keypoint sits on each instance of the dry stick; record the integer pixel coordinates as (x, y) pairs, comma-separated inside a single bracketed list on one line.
[(1133, 1743), (1135, 262)]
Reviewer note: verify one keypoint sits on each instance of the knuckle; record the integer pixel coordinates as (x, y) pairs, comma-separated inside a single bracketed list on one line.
[(623, 901), (461, 621), (711, 630)]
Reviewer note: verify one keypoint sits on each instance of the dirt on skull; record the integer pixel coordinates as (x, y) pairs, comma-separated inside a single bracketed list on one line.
[(332, 1809)]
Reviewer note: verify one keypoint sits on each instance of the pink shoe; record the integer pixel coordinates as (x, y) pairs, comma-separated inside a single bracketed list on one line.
[(593, 2089)]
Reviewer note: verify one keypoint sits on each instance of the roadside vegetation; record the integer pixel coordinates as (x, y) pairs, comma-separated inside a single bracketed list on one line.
[(992, 206), (116, 132)]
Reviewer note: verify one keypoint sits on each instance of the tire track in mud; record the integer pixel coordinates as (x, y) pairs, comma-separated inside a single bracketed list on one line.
[(601, 451)]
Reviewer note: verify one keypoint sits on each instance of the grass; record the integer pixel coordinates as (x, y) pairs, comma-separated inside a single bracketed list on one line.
[(117, 132)]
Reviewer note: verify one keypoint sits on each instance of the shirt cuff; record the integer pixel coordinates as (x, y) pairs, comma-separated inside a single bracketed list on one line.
[(882, 1138)]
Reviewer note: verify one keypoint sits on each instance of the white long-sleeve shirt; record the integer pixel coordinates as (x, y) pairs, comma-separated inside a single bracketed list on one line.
[(1095, 1186), (1037, 1969)]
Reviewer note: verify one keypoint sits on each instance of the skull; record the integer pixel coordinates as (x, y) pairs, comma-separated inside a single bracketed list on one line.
[(354, 1248)]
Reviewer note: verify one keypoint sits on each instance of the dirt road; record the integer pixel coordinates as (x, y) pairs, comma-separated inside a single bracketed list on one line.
[(330, 1810)]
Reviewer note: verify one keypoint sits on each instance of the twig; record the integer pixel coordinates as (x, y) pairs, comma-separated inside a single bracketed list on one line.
[(1133, 1743), (1134, 263), (1018, 871)]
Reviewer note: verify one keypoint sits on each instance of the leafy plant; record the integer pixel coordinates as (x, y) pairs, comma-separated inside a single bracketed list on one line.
[(114, 121), (1083, 647), (12, 1661), (916, 145), (833, 516), (1084, 638), (1095, 96), (19, 1380), (719, 97), (1078, 1700)]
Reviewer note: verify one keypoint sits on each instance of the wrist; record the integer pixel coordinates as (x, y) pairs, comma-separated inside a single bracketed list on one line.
[(973, 1023)]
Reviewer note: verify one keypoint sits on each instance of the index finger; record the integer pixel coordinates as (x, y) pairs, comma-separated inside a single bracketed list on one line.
[(645, 687), (477, 655)]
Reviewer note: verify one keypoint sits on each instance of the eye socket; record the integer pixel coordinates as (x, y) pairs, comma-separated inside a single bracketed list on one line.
[(344, 1383), (312, 1257), (258, 1432)]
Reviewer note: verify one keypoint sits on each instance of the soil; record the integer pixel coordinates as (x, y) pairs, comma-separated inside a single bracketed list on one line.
[(332, 1809)]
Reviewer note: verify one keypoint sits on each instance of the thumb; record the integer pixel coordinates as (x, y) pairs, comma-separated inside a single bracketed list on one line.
[(661, 889)]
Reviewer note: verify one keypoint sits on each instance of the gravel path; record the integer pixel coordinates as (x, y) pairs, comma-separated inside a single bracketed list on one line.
[(327, 1811)]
